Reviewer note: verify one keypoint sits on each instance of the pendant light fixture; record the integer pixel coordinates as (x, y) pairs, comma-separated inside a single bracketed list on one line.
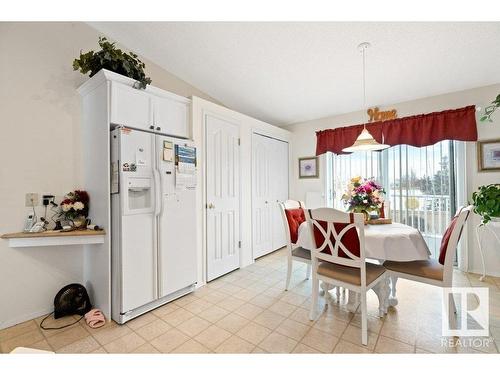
[(365, 141)]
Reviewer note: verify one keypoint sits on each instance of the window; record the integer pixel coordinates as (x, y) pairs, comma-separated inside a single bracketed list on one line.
[(420, 184)]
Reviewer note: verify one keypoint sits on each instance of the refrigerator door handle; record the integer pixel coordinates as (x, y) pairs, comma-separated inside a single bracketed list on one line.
[(158, 195)]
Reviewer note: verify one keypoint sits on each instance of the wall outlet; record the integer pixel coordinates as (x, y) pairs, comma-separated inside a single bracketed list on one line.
[(31, 199), (47, 198)]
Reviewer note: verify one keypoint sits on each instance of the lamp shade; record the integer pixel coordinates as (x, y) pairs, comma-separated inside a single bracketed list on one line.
[(365, 142)]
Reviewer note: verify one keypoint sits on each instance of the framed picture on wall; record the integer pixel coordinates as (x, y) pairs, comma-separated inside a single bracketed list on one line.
[(308, 167), (488, 155)]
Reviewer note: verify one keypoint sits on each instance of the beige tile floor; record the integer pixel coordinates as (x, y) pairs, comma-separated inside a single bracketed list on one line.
[(248, 311)]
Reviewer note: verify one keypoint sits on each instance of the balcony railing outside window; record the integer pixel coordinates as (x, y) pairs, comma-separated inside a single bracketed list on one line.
[(420, 184)]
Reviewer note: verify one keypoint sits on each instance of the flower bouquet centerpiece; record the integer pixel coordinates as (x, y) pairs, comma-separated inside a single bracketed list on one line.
[(75, 208), (364, 196)]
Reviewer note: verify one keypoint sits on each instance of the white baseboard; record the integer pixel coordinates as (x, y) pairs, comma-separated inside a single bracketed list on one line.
[(24, 318), (480, 272), (200, 284)]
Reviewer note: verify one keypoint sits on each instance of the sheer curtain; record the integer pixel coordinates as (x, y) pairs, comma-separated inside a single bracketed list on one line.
[(420, 184)]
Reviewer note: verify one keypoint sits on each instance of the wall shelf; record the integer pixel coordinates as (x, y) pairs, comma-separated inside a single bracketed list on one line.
[(54, 238)]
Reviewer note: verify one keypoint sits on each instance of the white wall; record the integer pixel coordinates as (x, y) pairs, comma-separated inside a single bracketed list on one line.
[(247, 126), (304, 144), (41, 151)]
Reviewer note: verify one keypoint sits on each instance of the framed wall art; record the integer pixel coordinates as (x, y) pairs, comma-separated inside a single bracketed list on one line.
[(488, 155), (308, 167)]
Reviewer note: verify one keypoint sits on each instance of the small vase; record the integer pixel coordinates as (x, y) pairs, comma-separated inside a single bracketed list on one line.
[(78, 222), (381, 211)]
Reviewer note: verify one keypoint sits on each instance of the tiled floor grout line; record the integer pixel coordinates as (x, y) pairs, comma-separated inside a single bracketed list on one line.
[(380, 334), (264, 279)]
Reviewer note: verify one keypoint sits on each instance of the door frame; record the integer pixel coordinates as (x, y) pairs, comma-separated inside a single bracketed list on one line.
[(237, 123), (275, 137)]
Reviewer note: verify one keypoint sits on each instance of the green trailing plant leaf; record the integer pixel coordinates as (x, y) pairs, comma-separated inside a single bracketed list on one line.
[(114, 59), (486, 202), (489, 110)]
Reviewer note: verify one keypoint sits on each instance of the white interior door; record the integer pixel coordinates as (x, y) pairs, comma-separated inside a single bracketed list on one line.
[(279, 185), (261, 195), (223, 196)]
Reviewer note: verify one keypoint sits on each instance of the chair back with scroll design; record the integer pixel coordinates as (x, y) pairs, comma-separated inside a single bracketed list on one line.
[(339, 238)]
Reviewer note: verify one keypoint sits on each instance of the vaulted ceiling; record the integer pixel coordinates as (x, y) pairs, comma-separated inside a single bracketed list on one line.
[(284, 73)]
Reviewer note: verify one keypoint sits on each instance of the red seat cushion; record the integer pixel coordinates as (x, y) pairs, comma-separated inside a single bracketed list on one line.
[(350, 239), (446, 239), (295, 217)]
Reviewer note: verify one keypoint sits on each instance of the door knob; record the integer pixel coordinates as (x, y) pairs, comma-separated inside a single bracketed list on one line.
[(211, 206)]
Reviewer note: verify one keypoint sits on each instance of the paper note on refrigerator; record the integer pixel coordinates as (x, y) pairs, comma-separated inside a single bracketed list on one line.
[(185, 154), (185, 159)]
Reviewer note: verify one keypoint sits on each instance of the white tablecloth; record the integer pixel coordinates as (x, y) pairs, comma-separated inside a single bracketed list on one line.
[(394, 241)]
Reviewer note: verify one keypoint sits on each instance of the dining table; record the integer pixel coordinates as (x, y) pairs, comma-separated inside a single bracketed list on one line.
[(394, 241)]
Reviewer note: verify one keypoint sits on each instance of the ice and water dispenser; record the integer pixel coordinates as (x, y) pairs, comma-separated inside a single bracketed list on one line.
[(139, 194)]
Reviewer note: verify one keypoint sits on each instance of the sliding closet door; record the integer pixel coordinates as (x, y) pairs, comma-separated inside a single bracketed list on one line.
[(269, 186), (261, 195), (279, 185)]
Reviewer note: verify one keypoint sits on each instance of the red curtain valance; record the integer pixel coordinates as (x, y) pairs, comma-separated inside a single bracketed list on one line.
[(419, 131)]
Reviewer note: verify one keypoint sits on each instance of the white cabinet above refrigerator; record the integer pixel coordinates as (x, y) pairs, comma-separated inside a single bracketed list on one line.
[(151, 109), (131, 107), (171, 117)]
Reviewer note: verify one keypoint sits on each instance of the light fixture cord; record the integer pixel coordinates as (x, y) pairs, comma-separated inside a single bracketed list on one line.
[(364, 78), (364, 84), (364, 91)]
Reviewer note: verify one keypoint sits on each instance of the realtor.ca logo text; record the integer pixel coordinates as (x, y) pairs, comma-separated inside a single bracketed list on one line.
[(465, 319)]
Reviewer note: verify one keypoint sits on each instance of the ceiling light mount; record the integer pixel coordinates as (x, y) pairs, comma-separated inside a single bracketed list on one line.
[(364, 46)]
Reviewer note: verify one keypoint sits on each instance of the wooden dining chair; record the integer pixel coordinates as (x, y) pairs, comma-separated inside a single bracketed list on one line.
[(293, 215), (431, 271), (339, 258)]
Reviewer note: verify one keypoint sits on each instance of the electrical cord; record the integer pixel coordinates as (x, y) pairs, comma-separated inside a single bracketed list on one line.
[(54, 328), (56, 213), (34, 212)]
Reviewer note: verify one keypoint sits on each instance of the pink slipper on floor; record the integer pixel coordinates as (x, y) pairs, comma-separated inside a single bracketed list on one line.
[(95, 318)]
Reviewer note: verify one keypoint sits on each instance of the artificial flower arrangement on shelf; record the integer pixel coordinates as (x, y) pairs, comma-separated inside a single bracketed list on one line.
[(75, 208), (364, 195)]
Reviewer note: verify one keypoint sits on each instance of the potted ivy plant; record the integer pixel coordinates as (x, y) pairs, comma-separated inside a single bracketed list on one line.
[(489, 110), (486, 202), (114, 59)]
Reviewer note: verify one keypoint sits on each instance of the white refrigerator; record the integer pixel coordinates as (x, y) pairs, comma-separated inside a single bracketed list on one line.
[(153, 203)]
